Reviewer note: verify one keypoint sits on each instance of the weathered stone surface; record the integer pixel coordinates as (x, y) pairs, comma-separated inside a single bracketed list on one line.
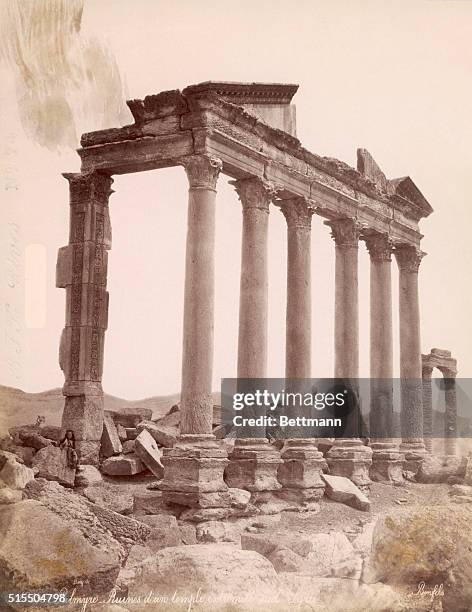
[(84, 415), (285, 560), (162, 434), (328, 550), (125, 465), (188, 532), (431, 544), (34, 440), (51, 462), (165, 531), (464, 490), (147, 450), (87, 475), (17, 431), (110, 443), (13, 473), (130, 416), (239, 498), (265, 544), (52, 432), (123, 436), (150, 502), (25, 454), (128, 447), (468, 471), (343, 490), (435, 469), (114, 497), (131, 433), (213, 568), (10, 496), (58, 556)]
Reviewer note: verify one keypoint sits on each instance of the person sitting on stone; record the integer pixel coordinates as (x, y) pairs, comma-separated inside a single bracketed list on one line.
[(68, 443)]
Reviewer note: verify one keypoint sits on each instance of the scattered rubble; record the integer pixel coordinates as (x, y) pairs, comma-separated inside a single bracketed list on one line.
[(147, 450), (341, 489), (123, 465)]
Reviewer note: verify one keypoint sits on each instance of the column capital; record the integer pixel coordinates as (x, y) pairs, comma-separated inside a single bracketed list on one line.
[(202, 171), (255, 192), (345, 231), (379, 245), (87, 186), (408, 257), (297, 211)]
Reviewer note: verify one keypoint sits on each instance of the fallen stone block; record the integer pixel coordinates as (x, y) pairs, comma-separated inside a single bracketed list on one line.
[(165, 531), (150, 502), (123, 436), (131, 433), (343, 490), (188, 532), (437, 469), (285, 560), (110, 443), (114, 497), (34, 440), (329, 550), (13, 473), (124, 465), (239, 498), (51, 462), (130, 416), (147, 450), (87, 475), (51, 432), (163, 435), (171, 419), (128, 447), (16, 432), (461, 490), (57, 557), (265, 544)]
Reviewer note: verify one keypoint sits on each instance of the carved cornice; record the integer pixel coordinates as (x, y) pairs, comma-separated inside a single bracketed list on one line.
[(255, 193), (86, 186), (345, 232), (202, 171), (408, 257), (379, 245), (297, 212)]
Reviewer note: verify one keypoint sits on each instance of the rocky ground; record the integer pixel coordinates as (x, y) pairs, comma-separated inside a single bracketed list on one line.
[(106, 537)]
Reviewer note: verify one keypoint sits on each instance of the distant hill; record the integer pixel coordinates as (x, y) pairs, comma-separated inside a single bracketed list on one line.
[(19, 408)]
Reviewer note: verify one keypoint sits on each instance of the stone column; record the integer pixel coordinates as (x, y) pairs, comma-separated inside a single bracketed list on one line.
[(427, 407), (450, 415), (253, 462), (409, 258), (82, 271), (347, 457), (193, 469), (387, 462), (300, 472)]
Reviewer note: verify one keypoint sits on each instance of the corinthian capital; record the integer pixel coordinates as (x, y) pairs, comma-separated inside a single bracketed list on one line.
[(379, 245), (87, 186), (345, 231), (202, 171), (408, 257), (254, 192), (297, 211)]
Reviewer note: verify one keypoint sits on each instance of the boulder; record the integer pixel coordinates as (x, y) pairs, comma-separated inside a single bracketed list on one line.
[(13, 473), (110, 443), (285, 560), (123, 465), (147, 450), (10, 496), (328, 550), (87, 475), (162, 434), (341, 489), (115, 497), (436, 469), (129, 446), (130, 416), (58, 557), (16, 432), (33, 439), (217, 569), (51, 462), (25, 453), (431, 544)]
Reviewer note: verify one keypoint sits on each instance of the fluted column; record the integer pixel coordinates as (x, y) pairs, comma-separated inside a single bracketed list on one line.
[(427, 407), (194, 467), (300, 472), (253, 462), (347, 457), (450, 415), (386, 459), (409, 258), (82, 271)]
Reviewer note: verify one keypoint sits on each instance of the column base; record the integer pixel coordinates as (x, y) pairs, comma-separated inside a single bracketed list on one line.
[(83, 415), (351, 459), (253, 466), (300, 472), (414, 451), (387, 463), (193, 477)]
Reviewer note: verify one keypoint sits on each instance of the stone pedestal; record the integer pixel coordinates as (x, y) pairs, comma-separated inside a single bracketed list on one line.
[(387, 462), (300, 471), (253, 466), (347, 457)]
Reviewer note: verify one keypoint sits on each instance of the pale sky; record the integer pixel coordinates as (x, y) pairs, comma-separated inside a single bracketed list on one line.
[(389, 76)]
